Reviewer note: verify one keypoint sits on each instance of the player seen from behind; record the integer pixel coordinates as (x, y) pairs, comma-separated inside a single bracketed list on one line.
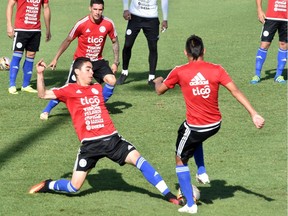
[(199, 82)]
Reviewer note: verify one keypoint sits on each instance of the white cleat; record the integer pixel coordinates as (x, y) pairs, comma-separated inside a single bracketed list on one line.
[(202, 178), (44, 116), (191, 210)]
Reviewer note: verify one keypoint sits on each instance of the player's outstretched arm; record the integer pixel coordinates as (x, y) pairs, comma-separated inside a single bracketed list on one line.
[(160, 87), (258, 120), (64, 45), (42, 92)]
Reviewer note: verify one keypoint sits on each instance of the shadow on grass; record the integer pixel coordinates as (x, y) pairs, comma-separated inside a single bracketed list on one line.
[(55, 78), (136, 76), (16, 147), (117, 107), (270, 74), (109, 180), (220, 190)]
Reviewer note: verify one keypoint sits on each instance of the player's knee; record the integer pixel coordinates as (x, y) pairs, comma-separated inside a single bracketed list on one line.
[(110, 79)]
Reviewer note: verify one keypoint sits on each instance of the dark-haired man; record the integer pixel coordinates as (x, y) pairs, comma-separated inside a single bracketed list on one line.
[(95, 130), (199, 82), (91, 31)]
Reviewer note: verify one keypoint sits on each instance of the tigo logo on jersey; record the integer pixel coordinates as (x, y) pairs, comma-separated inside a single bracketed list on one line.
[(90, 101), (96, 41), (198, 81)]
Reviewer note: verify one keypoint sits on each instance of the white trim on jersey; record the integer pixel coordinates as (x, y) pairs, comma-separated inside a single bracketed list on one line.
[(72, 32)]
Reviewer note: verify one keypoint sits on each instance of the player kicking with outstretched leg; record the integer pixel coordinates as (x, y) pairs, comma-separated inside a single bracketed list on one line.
[(99, 139), (199, 82)]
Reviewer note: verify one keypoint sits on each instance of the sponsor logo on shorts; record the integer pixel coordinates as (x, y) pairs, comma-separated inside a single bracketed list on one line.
[(82, 163)]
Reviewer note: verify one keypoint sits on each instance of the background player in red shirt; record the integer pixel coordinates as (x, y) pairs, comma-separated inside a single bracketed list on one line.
[(91, 32), (276, 19), (26, 34), (199, 82), (95, 129)]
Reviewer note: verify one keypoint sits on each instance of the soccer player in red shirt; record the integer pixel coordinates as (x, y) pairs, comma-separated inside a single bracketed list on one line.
[(91, 31), (96, 132), (199, 82), (276, 19), (26, 34)]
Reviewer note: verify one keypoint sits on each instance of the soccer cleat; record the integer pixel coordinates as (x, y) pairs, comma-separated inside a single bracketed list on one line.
[(12, 90), (280, 79), (151, 83), (255, 80), (176, 201), (173, 199), (202, 178), (28, 89), (42, 187), (44, 116), (191, 210), (182, 198), (121, 79)]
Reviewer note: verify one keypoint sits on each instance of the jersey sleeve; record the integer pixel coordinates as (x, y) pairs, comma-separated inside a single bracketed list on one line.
[(112, 32), (172, 79), (61, 93), (224, 77), (76, 31)]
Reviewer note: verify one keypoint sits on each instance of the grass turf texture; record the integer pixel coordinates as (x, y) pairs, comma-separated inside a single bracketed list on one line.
[(247, 167)]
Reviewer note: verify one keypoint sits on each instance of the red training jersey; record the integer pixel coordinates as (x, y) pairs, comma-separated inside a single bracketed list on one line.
[(277, 10), (89, 114), (92, 37), (28, 15), (199, 82)]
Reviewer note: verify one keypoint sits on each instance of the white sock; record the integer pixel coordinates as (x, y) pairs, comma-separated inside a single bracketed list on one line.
[(151, 77), (124, 72)]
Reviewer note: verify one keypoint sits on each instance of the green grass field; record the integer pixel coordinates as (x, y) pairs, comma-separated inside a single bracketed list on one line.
[(247, 167)]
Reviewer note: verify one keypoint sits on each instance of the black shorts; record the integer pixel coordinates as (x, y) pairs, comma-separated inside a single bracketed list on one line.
[(150, 27), (190, 138), (100, 68), (270, 28), (113, 147), (26, 40)]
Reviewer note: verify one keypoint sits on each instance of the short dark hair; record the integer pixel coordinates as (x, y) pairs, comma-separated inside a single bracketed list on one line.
[(96, 2), (78, 63), (194, 47)]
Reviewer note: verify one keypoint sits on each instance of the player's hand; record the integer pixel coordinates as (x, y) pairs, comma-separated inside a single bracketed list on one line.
[(164, 26), (48, 36), (53, 64), (261, 16), (40, 66), (258, 121), (114, 68), (127, 15), (10, 31)]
